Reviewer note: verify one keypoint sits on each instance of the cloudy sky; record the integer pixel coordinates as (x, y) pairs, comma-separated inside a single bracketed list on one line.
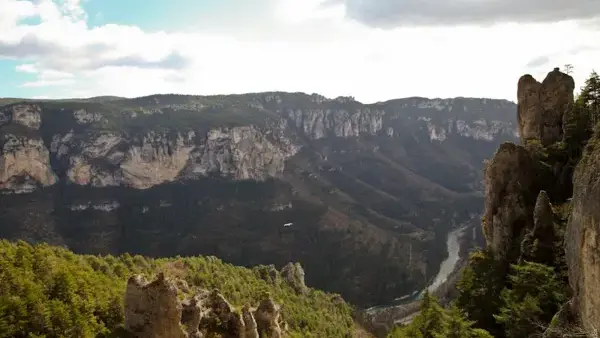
[(371, 49)]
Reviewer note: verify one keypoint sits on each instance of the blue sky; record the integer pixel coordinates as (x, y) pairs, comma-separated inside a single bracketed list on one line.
[(371, 49), (157, 14)]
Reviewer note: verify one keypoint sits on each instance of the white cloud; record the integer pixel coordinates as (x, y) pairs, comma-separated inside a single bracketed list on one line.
[(394, 13), (47, 83), (305, 47)]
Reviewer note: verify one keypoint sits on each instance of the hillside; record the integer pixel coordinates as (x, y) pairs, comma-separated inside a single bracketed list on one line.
[(371, 191), (51, 292)]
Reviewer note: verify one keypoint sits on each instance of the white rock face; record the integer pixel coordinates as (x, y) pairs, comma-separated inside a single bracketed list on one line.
[(154, 158), (25, 158), (101, 144), (27, 115), (103, 206), (478, 129), (241, 153), (94, 157), (321, 123), (84, 117)]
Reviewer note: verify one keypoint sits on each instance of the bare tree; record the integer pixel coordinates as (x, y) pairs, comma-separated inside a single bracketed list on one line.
[(568, 68)]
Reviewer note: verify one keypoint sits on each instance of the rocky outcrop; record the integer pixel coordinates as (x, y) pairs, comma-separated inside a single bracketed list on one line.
[(513, 177), (320, 123), (24, 163), (538, 244), (24, 159), (293, 274), (510, 190), (111, 159), (542, 106), (241, 153), (154, 310), (27, 115), (582, 238), (267, 319)]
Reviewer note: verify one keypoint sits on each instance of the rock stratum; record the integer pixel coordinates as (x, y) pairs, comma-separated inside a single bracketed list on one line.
[(362, 195)]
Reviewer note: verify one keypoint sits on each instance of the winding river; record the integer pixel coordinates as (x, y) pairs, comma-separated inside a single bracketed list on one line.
[(449, 264), (446, 268)]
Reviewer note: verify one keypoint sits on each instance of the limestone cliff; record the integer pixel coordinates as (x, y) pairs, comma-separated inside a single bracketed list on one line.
[(112, 159), (156, 310), (514, 177), (24, 159), (582, 240), (510, 188), (24, 164), (542, 106)]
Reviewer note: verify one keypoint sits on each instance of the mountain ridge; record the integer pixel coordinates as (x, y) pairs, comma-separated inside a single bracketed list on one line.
[(372, 190)]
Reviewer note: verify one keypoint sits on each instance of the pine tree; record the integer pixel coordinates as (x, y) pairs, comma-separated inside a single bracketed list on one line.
[(456, 325), (534, 296), (589, 97)]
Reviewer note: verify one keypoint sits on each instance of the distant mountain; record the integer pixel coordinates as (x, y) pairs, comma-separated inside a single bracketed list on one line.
[(370, 190)]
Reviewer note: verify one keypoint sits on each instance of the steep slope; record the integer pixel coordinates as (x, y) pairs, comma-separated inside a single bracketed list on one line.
[(362, 195)]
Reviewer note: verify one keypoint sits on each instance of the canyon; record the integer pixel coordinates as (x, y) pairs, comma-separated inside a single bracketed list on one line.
[(362, 195)]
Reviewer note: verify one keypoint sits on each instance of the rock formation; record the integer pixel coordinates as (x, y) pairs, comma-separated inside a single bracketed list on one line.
[(24, 159), (513, 177), (293, 274), (154, 310), (510, 190), (267, 319), (582, 239), (538, 244), (542, 106)]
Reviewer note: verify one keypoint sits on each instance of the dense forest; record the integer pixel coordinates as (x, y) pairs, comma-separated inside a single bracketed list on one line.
[(525, 297), (48, 291)]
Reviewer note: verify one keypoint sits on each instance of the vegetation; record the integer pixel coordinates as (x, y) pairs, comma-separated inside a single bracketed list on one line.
[(47, 291), (435, 322)]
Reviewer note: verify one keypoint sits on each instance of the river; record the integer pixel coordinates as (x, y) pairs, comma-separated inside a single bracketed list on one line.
[(446, 268), (449, 264)]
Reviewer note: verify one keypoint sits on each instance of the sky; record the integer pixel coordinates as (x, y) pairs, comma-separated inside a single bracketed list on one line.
[(373, 50)]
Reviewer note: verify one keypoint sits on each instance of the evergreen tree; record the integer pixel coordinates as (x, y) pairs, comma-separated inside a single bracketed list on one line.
[(479, 290), (532, 298), (435, 322), (456, 325), (589, 97)]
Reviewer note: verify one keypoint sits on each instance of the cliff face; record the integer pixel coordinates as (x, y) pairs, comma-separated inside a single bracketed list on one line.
[(25, 160), (112, 159), (362, 195), (542, 106), (509, 198), (514, 177), (582, 238)]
